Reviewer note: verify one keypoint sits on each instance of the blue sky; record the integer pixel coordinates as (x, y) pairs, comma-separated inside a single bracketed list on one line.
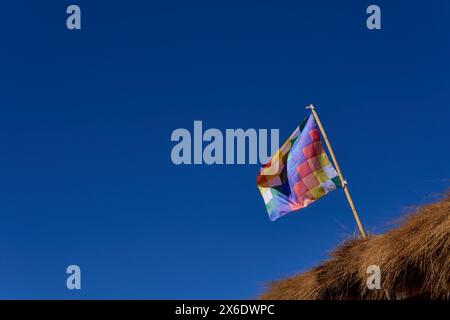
[(86, 118)]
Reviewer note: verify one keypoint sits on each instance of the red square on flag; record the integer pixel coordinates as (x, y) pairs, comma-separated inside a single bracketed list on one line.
[(310, 181), (314, 163), (314, 134), (304, 169), (300, 188), (318, 147), (309, 151)]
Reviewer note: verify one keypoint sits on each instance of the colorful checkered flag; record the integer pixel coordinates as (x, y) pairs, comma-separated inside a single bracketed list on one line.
[(298, 174)]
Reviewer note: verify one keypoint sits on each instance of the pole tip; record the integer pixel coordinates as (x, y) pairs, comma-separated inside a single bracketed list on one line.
[(310, 107)]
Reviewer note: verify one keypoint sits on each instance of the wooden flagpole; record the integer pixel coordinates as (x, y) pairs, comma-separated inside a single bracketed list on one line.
[(338, 169)]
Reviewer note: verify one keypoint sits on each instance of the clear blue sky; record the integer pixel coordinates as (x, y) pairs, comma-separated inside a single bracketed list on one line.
[(86, 117)]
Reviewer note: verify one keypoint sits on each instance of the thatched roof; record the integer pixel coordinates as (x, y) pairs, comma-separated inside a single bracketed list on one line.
[(414, 259)]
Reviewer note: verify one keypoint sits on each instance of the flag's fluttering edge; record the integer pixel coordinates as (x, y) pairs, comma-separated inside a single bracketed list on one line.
[(298, 174)]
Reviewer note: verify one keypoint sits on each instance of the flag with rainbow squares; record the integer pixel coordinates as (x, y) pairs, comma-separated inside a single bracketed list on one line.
[(298, 174)]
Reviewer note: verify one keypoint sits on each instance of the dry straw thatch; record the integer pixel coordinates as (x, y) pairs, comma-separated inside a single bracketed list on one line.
[(413, 258)]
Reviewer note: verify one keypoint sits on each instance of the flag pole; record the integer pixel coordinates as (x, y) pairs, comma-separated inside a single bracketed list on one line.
[(338, 169)]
